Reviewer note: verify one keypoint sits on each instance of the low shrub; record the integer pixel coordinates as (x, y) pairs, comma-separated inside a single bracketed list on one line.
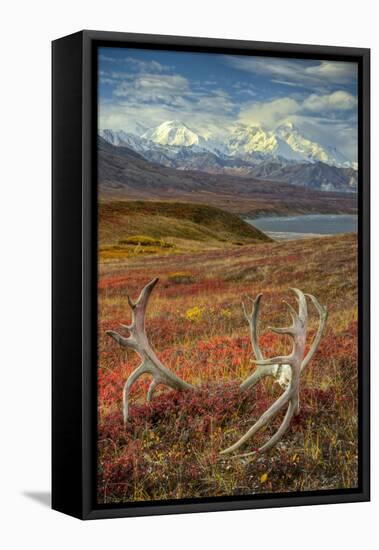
[(144, 240), (181, 277)]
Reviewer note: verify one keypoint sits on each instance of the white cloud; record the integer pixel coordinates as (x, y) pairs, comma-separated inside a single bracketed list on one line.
[(285, 83), (165, 94), (340, 134), (336, 101), (126, 116), (272, 113), (153, 88), (147, 66), (338, 72), (319, 74), (151, 99), (136, 64)]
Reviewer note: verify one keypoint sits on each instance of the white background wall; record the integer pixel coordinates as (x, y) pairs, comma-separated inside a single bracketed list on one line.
[(26, 31)]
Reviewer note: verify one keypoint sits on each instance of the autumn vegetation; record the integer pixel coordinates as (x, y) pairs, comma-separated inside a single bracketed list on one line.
[(207, 260)]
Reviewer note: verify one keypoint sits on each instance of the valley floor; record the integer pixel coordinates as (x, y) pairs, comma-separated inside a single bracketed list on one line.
[(170, 447)]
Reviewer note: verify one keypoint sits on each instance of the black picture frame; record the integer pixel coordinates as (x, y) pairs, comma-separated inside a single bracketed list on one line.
[(74, 332)]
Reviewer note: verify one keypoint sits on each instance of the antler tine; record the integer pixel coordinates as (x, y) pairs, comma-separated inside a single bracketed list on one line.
[(323, 314), (277, 435), (130, 302), (303, 310), (128, 327), (321, 309), (138, 341), (124, 342), (290, 331), (262, 421), (262, 370), (145, 293), (252, 320), (282, 428), (279, 330), (279, 360), (140, 306), (138, 314), (293, 312), (246, 315), (154, 383)]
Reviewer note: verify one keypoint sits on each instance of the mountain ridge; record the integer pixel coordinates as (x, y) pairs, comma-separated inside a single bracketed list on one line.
[(248, 151), (242, 140), (283, 155), (123, 173)]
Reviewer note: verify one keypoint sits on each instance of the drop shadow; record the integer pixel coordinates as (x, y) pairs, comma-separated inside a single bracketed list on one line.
[(42, 497)]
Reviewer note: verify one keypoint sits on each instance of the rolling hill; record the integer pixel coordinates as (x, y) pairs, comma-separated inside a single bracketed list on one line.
[(166, 227)]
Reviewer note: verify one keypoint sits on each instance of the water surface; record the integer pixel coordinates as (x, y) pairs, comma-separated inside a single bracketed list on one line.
[(306, 226)]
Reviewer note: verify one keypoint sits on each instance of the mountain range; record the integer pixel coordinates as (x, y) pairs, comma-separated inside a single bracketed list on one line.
[(124, 173), (284, 155)]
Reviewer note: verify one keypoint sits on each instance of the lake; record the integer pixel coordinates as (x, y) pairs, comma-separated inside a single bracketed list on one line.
[(306, 226)]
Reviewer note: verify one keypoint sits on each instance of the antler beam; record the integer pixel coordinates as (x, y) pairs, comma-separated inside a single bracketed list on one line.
[(286, 369), (138, 341)]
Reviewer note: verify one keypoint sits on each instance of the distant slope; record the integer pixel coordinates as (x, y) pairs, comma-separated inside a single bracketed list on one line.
[(173, 222), (316, 175), (125, 174)]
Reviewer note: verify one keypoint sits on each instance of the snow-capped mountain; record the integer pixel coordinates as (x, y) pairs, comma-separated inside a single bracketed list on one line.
[(250, 142), (253, 139), (173, 133), (244, 150), (122, 139), (310, 150)]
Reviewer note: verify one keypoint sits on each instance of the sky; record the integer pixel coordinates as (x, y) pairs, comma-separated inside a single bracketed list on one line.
[(211, 92)]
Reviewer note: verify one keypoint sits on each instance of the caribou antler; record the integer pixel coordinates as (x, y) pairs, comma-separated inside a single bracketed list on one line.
[(293, 364), (323, 314), (262, 370), (137, 341)]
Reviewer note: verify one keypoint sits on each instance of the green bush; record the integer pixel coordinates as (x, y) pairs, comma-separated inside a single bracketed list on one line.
[(181, 277), (143, 240)]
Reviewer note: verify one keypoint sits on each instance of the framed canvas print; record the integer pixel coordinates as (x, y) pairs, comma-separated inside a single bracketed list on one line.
[(210, 274)]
